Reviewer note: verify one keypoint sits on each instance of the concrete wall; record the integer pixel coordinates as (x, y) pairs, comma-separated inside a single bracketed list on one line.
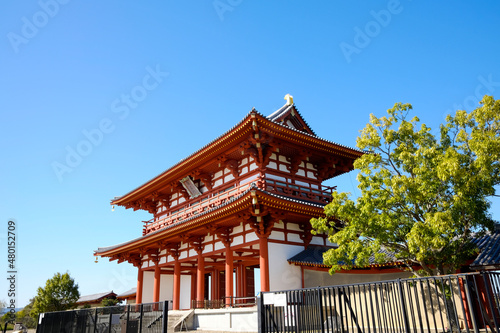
[(231, 320)]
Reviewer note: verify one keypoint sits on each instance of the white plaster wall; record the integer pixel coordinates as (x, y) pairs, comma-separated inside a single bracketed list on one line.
[(278, 235), (251, 236), (167, 289), (282, 275), (238, 228), (293, 226), (208, 248), (283, 159), (294, 238), (147, 287), (237, 240), (185, 299), (183, 255), (249, 179), (283, 168)]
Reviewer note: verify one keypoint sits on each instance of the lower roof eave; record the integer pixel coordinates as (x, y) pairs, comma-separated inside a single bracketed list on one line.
[(240, 204)]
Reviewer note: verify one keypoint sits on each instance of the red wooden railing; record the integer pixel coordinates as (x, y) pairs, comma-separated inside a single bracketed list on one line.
[(213, 199), (321, 195)]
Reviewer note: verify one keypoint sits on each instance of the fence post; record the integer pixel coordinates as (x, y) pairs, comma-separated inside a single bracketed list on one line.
[(165, 317), (493, 309), (38, 325), (110, 319), (260, 313), (95, 321), (403, 307), (128, 318), (470, 305), (140, 316), (320, 308)]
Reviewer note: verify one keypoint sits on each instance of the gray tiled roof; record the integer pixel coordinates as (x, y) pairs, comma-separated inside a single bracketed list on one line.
[(282, 111), (313, 255), (130, 292), (278, 113), (95, 297), (488, 245)]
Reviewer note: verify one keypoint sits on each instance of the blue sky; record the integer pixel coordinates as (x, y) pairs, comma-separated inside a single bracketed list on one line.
[(137, 86)]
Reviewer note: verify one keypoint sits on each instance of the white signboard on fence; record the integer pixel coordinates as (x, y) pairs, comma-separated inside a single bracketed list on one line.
[(275, 299)]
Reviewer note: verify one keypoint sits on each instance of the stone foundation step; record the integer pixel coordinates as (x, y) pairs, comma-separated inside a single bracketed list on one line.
[(179, 320)]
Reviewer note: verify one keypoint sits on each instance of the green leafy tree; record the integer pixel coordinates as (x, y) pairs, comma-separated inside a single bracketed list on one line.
[(422, 198), (60, 293), (24, 316), (7, 318), (110, 301)]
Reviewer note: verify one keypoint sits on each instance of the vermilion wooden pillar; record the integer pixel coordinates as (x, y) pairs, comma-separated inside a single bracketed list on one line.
[(193, 289), (215, 284), (244, 281), (156, 286), (229, 275), (239, 283), (140, 279), (264, 263), (177, 284), (200, 278)]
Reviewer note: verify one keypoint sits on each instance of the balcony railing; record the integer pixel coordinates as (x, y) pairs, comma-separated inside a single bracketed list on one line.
[(212, 199), (194, 207), (321, 195)]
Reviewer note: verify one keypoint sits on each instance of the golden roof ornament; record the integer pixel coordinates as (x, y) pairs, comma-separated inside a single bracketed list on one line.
[(289, 99)]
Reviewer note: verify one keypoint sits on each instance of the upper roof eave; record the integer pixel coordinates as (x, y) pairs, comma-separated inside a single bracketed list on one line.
[(206, 152), (180, 164)]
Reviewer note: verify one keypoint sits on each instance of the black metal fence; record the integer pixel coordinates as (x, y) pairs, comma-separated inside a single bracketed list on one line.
[(140, 318), (452, 303)]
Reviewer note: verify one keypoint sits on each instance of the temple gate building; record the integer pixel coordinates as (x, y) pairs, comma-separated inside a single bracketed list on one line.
[(241, 203)]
